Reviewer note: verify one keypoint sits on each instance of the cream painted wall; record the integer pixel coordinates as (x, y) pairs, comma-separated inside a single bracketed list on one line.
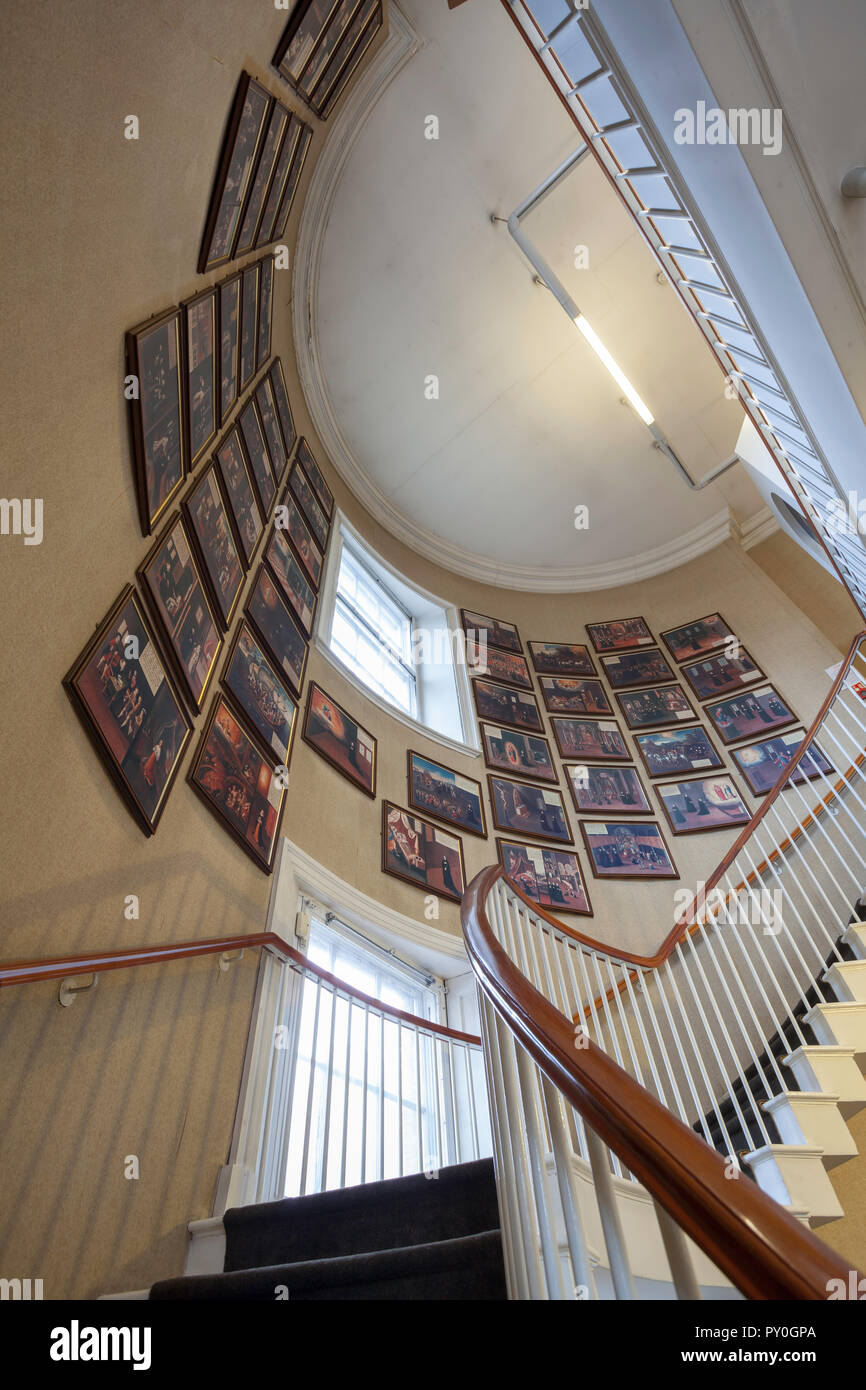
[(100, 233)]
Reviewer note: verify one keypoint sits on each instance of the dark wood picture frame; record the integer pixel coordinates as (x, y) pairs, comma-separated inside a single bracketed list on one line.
[(268, 614), (249, 321), (633, 827), (279, 121), (322, 45), (581, 754), (296, 169), (628, 643), (524, 699), (88, 689), (723, 776), (255, 445), (509, 637), (286, 569), (425, 810), (678, 651), (439, 836), (545, 793), (315, 477), (284, 171), (212, 564), (680, 771), (302, 491), (628, 677), (246, 641), (154, 358), (240, 494), (289, 519), (263, 394), (751, 693), (201, 372), (505, 668), (529, 770), (157, 598), (265, 316), (806, 770), (576, 686), (343, 718), (755, 677), (230, 344), (666, 717), (242, 143), (600, 770), (575, 659), (560, 908), (284, 410)]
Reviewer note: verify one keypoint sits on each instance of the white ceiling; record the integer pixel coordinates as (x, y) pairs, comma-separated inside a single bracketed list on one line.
[(415, 280)]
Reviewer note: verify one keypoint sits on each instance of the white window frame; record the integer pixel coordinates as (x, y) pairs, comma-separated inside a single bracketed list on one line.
[(343, 532)]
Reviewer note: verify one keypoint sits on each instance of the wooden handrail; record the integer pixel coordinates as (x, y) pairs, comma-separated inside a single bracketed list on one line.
[(60, 967), (764, 1251)]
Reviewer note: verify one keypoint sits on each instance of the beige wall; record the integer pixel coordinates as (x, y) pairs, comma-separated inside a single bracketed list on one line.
[(100, 234)]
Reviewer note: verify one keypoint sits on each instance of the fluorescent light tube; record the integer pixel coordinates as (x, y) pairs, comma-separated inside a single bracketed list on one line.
[(619, 376)]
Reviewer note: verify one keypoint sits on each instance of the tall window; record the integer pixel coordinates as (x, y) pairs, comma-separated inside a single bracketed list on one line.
[(372, 634)]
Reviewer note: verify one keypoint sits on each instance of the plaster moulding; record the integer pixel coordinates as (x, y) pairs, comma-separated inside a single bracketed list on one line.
[(402, 43)]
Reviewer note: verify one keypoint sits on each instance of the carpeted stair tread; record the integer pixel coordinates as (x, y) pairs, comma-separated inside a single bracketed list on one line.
[(470, 1267), (413, 1211)]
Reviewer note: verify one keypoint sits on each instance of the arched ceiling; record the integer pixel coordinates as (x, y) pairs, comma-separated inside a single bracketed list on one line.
[(413, 280)]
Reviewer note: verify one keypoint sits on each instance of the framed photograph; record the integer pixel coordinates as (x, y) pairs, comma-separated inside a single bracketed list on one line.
[(288, 518), (762, 763), (313, 514), (565, 695), (214, 543), (445, 795), (281, 400), (230, 344), (340, 739), (495, 633), (693, 639), (278, 124), (718, 675), (646, 709), (607, 789), (249, 324), (128, 704), (597, 739), (278, 630), (247, 126), (636, 849), (200, 340), (501, 704), (536, 811), (637, 668), (705, 803), (296, 168), (154, 356), (524, 754), (288, 573), (506, 667), (264, 398), (280, 183), (258, 458), (620, 635), (323, 44), (316, 477), (561, 659), (422, 853), (244, 787), (743, 716), (174, 588), (234, 472), (549, 877), (261, 693), (677, 750), (266, 310)]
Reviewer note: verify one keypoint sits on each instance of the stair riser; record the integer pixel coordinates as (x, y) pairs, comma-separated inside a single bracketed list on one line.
[(798, 1179)]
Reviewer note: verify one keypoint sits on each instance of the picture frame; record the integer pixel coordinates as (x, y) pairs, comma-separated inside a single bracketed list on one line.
[(279, 119), (497, 633), (257, 456), (536, 812), (508, 668), (590, 740), (296, 169), (527, 755), (239, 783), (275, 625), (721, 675), (286, 570), (627, 850), (249, 324), (265, 322), (574, 695), (702, 804), (551, 878), (694, 639), (322, 45), (761, 764), (201, 382), (177, 596), (647, 666), (420, 852), (284, 410), (503, 704), (154, 358), (237, 483), (341, 740), (599, 790), (281, 190), (364, 27), (315, 477), (445, 795), (655, 706), (260, 693), (289, 518), (308, 503), (620, 635), (562, 659), (267, 408), (213, 539), (131, 709), (230, 344), (245, 134), (676, 751), (760, 709)]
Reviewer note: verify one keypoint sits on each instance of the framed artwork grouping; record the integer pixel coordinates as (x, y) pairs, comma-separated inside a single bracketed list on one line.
[(422, 853)]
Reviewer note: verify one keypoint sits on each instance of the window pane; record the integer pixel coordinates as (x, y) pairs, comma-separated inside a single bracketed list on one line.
[(373, 635)]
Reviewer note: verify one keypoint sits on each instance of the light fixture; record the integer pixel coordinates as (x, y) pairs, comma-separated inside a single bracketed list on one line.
[(616, 372)]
